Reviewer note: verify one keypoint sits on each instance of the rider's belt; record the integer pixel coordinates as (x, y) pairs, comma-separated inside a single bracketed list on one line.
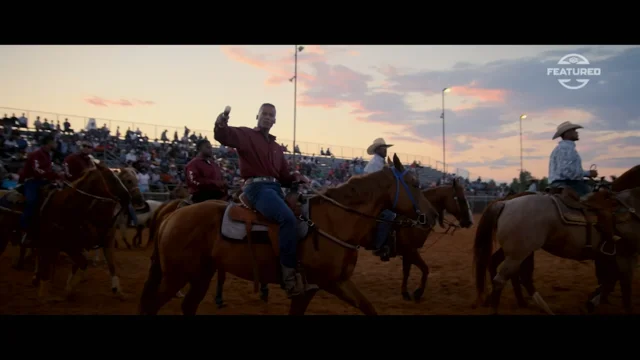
[(260, 179)]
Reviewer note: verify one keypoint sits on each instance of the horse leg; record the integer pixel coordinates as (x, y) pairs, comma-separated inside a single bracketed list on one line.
[(626, 279), (115, 280), (406, 269), (21, 258), (526, 277), (300, 303), (46, 261), (510, 266), (496, 259), (219, 286), (123, 233), (199, 285), (349, 293), (78, 270), (264, 292), (419, 262)]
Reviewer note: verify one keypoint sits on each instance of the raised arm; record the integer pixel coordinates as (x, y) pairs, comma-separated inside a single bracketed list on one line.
[(225, 134)]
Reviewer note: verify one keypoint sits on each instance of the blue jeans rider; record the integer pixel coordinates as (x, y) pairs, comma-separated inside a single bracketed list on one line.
[(265, 170), (379, 151), (36, 173)]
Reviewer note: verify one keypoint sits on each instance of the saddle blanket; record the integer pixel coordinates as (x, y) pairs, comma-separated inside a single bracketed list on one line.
[(237, 230)]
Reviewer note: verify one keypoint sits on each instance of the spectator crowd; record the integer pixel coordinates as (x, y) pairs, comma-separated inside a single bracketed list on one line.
[(160, 162)]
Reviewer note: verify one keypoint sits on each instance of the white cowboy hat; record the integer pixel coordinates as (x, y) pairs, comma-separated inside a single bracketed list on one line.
[(376, 144), (564, 127)]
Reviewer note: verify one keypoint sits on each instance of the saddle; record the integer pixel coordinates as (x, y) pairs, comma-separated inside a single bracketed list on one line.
[(247, 214), (144, 209), (571, 210)]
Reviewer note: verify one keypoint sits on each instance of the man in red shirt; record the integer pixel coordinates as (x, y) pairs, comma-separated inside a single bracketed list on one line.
[(36, 173), (265, 170), (75, 164), (204, 176)]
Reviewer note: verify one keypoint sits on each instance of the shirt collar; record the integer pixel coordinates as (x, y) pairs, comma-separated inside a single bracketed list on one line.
[(257, 129), (567, 143)]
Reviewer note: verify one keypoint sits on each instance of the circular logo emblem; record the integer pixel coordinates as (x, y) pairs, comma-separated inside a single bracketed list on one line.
[(574, 69)]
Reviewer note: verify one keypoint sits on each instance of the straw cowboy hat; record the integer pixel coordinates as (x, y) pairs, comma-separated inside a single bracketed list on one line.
[(376, 144), (564, 127)]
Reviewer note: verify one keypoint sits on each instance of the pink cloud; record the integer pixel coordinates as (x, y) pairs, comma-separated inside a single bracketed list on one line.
[(98, 101)]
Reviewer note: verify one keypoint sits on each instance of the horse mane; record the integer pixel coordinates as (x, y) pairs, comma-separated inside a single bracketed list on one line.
[(628, 180), (358, 189)]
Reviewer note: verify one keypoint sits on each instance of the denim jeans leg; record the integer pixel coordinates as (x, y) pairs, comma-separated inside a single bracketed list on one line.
[(383, 228), (268, 200), (31, 194), (132, 215)]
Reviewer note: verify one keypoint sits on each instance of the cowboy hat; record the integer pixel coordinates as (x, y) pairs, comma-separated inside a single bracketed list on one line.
[(376, 144), (564, 127)]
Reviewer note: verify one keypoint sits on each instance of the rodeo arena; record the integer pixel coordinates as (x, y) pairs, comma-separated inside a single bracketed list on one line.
[(109, 219)]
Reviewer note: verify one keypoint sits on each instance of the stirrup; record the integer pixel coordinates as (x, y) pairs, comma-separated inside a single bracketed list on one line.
[(606, 253)]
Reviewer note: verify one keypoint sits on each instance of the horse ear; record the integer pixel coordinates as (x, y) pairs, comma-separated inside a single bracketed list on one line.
[(397, 164), (389, 162)]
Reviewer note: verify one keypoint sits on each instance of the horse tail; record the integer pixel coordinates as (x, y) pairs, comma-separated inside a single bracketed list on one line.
[(151, 223), (151, 286), (483, 244)]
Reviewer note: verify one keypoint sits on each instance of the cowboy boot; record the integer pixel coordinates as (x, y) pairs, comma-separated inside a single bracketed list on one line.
[(293, 284)]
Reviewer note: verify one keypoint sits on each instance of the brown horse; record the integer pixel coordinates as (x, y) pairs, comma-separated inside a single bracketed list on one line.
[(190, 247), (79, 216), (528, 223), (449, 198)]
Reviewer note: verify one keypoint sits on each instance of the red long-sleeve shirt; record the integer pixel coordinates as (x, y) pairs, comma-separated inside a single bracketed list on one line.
[(258, 155), (75, 164), (38, 166), (203, 174)]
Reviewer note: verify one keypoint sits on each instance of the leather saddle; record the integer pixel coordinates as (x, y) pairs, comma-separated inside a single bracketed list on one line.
[(247, 214)]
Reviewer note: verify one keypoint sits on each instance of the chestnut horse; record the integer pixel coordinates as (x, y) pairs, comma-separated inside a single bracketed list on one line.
[(527, 223), (189, 247), (449, 198), (79, 216)]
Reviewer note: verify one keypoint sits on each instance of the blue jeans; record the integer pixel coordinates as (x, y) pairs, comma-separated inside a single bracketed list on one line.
[(579, 186), (132, 215), (32, 195), (382, 231), (268, 200)]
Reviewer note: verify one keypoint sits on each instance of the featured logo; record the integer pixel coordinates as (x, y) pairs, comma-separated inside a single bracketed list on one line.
[(574, 69)]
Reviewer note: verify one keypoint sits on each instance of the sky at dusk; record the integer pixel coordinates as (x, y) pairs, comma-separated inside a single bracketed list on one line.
[(348, 96)]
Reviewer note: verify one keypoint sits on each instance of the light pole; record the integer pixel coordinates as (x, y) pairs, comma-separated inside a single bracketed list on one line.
[(296, 50), (444, 166), (523, 116)]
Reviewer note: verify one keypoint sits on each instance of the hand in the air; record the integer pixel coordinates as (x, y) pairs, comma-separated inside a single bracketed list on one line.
[(222, 120), (593, 173)]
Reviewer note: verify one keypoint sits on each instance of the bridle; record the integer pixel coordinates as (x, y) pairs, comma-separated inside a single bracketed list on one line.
[(399, 177)]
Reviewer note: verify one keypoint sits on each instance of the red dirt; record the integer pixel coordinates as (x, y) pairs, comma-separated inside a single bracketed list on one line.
[(564, 284)]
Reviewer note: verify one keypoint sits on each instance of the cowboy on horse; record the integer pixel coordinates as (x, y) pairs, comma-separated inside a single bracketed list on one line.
[(379, 151), (565, 170), (265, 170), (36, 174), (204, 176), (76, 163)]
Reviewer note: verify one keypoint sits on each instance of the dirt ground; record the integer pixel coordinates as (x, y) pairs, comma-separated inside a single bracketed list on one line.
[(564, 284)]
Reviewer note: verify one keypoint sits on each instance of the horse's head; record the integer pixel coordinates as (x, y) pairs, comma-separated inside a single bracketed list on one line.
[(114, 185), (405, 196), (628, 180), (129, 179), (455, 203)]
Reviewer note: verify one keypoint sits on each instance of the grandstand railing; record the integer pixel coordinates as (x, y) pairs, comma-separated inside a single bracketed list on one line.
[(154, 131)]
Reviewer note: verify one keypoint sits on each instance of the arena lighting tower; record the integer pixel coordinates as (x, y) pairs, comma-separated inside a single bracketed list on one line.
[(444, 166), (523, 116), (294, 79)]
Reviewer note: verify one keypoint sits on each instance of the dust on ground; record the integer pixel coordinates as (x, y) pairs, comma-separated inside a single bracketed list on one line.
[(564, 284)]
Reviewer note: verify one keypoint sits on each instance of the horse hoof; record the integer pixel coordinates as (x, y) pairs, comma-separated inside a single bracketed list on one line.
[(406, 296), (417, 295), (122, 296), (51, 300)]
